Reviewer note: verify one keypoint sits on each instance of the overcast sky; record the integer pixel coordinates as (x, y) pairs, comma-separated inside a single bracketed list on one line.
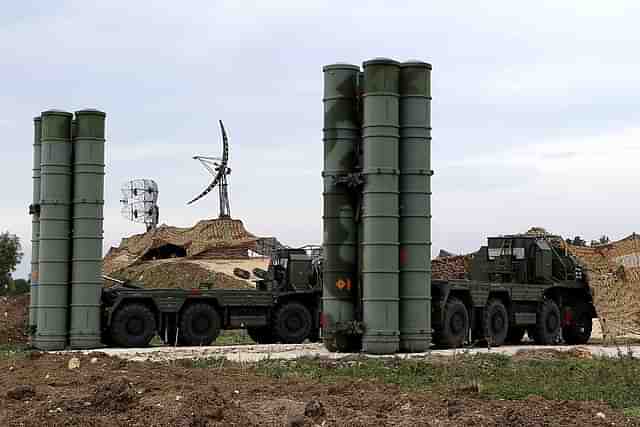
[(535, 106)]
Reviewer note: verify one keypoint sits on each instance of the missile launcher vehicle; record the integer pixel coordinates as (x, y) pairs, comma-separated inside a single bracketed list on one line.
[(284, 307), (517, 284)]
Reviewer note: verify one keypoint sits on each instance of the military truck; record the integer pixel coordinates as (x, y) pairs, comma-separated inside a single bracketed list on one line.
[(284, 307), (517, 284)]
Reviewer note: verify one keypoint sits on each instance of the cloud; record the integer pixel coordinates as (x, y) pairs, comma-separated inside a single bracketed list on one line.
[(534, 113)]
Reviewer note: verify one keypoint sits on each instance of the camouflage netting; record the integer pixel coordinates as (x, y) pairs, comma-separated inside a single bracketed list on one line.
[(613, 272), (167, 256), (451, 267)]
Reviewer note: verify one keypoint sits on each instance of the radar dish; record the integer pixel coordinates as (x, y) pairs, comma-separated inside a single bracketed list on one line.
[(139, 202), (218, 168)]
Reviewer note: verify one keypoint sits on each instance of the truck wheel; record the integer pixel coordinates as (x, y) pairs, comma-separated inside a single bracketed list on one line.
[(133, 325), (515, 335), (455, 326), (261, 335), (292, 323), (578, 331), (495, 322), (547, 328), (199, 325)]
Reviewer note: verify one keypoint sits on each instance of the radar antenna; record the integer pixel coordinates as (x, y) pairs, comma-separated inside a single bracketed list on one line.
[(217, 167), (139, 202)]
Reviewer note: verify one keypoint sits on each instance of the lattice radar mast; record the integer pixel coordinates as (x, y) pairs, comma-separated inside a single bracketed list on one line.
[(139, 202)]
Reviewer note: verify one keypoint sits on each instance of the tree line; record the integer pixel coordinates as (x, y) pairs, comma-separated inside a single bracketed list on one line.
[(10, 256)]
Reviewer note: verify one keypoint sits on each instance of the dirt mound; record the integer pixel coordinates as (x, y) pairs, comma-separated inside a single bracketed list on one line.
[(179, 274), (14, 314), (114, 396), (21, 392), (613, 272)]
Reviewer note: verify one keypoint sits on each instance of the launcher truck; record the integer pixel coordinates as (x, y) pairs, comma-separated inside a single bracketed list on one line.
[(284, 307), (517, 284)]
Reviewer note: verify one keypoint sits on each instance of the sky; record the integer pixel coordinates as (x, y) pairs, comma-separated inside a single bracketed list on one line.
[(535, 106)]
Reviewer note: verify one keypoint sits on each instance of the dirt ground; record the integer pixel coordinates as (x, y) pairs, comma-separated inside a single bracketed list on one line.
[(41, 389)]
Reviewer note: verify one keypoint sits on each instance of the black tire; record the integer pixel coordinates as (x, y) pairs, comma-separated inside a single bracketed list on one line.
[(515, 335), (261, 335), (579, 330), (547, 328), (199, 325), (495, 322), (292, 323), (455, 326), (133, 325)]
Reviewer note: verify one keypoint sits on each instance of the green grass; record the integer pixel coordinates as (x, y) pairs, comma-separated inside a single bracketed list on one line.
[(616, 381), (233, 337), (13, 351), (226, 337), (633, 411)]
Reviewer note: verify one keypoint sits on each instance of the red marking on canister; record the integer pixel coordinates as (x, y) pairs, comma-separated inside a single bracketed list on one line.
[(403, 256)]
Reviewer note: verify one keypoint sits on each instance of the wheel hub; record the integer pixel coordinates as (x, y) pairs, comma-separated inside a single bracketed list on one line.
[(201, 324), (497, 322), (293, 323), (135, 326)]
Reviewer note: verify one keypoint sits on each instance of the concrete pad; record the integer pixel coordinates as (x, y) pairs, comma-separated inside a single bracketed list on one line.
[(255, 353)]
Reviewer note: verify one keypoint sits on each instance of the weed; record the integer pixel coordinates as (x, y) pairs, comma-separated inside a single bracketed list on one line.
[(14, 351), (490, 376)]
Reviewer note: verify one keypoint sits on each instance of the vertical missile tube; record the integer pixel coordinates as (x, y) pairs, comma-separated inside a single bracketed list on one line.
[(34, 210), (415, 209), (88, 201), (380, 239), (341, 132), (55, 230)]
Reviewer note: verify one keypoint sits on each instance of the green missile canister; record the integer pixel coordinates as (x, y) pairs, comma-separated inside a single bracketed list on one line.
[(341, 132), (415, 208), (55, 231), (34, 210), (88, 201), (380, 134)]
